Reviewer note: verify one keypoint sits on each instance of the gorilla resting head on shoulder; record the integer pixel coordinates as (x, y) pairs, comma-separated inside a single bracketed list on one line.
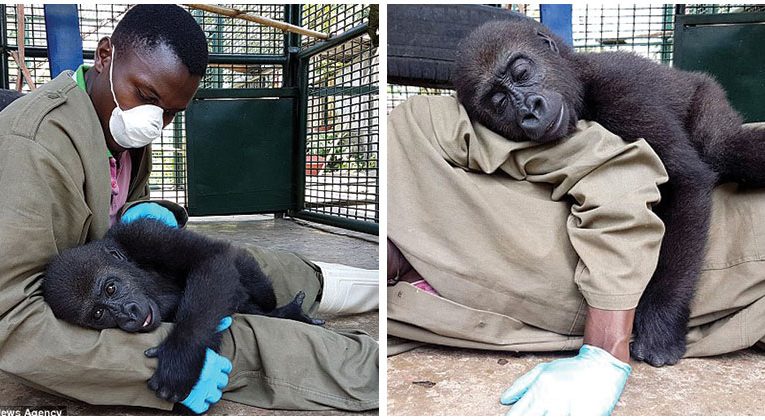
[(521, 81)]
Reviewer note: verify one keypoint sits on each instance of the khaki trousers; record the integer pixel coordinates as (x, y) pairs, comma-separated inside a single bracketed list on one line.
[(286, 364), (430, 216)]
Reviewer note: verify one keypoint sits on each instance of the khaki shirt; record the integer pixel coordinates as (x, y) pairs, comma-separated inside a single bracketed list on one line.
[(492, 232), (55, 192)]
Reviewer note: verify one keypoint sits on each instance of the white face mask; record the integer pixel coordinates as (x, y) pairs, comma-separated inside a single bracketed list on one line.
[(137, 126)]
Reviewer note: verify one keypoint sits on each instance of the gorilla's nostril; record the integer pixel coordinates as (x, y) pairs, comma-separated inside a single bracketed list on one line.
[(537, 105), (132, 310)]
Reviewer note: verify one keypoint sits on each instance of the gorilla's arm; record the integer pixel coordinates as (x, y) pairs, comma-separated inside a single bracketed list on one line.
[(210, 281), (205, 302), (662, 314)]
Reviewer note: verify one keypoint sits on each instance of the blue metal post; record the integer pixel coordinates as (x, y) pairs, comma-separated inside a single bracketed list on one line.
[(62, 27), (557, 17)]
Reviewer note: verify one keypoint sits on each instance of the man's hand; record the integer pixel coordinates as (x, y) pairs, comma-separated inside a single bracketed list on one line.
[(589, 384), (151, 211), (209, 389)]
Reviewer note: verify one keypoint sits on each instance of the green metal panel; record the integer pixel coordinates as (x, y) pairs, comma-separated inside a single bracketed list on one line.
[(240, 156), (729, 47)]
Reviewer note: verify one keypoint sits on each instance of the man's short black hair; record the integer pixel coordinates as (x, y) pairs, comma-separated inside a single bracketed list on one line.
[(146, 26)]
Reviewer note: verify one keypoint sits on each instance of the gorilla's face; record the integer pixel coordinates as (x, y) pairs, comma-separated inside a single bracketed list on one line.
[(513, 78), (96, 286)]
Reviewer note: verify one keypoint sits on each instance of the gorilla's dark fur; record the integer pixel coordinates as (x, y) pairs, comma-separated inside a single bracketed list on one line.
[(144, 273), (523, 82), (8, 96)]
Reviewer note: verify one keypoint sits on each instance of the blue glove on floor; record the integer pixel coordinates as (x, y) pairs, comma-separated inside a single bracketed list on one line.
[(213, 378), (152, 211), (589, 384)]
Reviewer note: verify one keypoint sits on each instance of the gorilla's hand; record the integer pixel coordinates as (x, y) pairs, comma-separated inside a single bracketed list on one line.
[(202, 386), (178, 368), (294, 310), (657, 341)]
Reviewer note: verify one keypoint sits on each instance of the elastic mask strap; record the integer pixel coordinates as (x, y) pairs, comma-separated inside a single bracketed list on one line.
[(111, 80)]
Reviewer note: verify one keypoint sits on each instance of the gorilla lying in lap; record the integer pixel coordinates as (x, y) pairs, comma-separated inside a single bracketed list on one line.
[(521, 81), (145, 272)]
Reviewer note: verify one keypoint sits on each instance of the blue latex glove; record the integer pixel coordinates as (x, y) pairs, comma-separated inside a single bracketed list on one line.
[(152, 211), (589, 384), (213, 378)]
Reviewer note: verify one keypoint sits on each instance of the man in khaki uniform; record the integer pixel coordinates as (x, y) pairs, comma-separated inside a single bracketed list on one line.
[(55, 189), (517, 260)]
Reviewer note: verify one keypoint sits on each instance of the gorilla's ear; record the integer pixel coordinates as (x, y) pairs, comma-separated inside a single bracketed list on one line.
[(549, 41), (115, 253)]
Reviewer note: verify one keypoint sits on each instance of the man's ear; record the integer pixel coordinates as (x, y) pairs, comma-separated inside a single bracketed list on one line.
[(549, 41), (103, 55)]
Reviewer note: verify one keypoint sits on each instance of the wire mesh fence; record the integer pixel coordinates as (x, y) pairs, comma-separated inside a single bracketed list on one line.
[(332, 19), (237, 36), (399, 93), (343, 119), (243, 76), (645, 30)]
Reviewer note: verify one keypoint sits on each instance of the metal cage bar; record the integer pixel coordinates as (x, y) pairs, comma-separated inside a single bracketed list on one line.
[(339, 120)]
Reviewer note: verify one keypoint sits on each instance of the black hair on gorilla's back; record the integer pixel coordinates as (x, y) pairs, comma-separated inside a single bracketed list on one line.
[(146, 26)]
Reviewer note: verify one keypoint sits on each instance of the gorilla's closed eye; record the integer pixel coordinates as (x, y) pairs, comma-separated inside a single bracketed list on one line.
[(98, 313), (521, 70), (499, 100)]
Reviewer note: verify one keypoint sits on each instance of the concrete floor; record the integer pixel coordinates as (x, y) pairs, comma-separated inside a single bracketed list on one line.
[(317, 242), (433, 380)]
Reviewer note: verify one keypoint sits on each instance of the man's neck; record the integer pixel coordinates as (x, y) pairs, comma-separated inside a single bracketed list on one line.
[(89, 79)]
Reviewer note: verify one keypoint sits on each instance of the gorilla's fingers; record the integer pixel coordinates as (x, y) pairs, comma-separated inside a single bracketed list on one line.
[(299, 298), (315, 321), (153, 384), (152, 352)]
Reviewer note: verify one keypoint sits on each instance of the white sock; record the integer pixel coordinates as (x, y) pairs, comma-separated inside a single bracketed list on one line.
[(348, 290)]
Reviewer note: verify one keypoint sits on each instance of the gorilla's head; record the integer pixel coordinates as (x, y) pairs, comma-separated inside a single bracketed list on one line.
[(96, 286), (516, 78)]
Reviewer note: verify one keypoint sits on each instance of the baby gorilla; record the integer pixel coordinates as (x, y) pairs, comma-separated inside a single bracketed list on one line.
[(144, 273), (521, 81)]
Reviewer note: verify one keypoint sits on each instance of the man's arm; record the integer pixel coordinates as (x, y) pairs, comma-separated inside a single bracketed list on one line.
[(613, 185), (610, 330), (41, 214)]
